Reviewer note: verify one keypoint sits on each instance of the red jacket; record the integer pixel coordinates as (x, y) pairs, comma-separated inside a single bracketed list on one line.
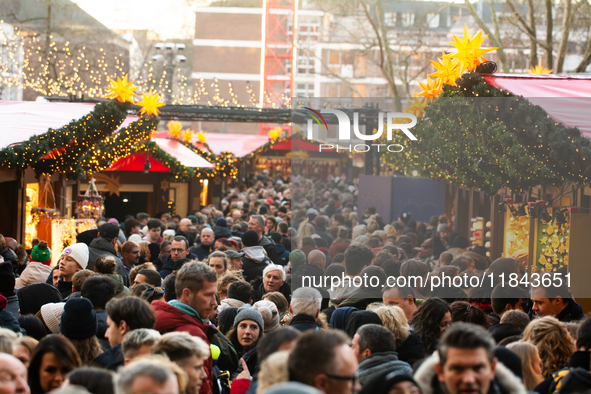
[(240, 386), (169, 319)]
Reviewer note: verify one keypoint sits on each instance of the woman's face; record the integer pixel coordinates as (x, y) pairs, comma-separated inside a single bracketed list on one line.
[(272, 281), (444, 324), (148, 255), (22, 353), (270, 225), (52, 372), (217, 263), (248, 332)]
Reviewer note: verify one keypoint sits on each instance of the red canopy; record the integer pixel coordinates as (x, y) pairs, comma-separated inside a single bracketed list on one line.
[(566, 98), (136, 162), (296, 144)]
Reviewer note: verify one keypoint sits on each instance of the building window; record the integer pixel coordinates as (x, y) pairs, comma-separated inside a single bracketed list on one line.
[(305, 65), (308, 28), (408, 19), (390, 19), (305, 90), (433, 20)]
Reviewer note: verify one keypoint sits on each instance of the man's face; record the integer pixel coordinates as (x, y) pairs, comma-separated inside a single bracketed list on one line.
[(236, 216), (253, 224), (178, 250), (185, 225), (55, 277), (68, 267), (444, 234), (272, 209), (404, 388), (139, 279), (466, 371), (114, 332), (207, 237), (356, 350), (206, 212), (165, 251), (154, 234), (204, 301), (132, 257), (345, 368), (13, 376), (193, 366), (237, 263), (392, 297), (544, 306)]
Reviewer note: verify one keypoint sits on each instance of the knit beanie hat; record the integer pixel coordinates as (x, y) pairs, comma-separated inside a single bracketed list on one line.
[(248, 312), (32, 297), (221, 222), (250, 238), (79, 252), (79, 319), (3, 302), (52, 315), (270, 314), (135, 238), (297, 258), (7, 280), (41, 253)]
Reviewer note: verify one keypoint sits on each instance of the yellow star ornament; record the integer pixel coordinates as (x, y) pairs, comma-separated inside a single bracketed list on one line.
[(539, 70), (188, 136), (175, 129), (416, 107), (275, 133), (447, 69), (468, 50), (201, 137), (431, 88), (150, 104), (121, 90)]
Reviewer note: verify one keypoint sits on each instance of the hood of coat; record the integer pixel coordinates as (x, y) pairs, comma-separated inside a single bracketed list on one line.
[(504, 378), (256, 253)]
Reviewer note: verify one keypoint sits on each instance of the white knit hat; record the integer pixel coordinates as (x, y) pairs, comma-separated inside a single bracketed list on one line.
[(79, 252), (52, 315), (135, 238)]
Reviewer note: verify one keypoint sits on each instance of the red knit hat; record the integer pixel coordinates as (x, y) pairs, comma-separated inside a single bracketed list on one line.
[(3, 302)]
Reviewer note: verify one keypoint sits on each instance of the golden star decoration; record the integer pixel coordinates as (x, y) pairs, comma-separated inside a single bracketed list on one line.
[(187, 136), (201, 136), (468, 50), (150, 104), (539, 69), (448, 69), (275, 133), (175, 129), (416, 107), (153, 134), (112, 183), (164, 184), (431, 88), (121, 90)]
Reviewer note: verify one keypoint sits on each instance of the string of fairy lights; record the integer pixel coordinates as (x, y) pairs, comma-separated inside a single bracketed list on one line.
[(62, 69)]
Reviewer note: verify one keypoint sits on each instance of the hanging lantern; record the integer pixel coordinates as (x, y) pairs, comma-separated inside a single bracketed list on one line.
[(90, 204)]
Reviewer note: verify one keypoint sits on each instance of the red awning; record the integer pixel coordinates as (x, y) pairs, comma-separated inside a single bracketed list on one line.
[(296, 145), (566, 98), (136, 162)]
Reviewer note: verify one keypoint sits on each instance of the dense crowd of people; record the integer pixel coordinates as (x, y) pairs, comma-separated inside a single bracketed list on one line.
[(259, 295)]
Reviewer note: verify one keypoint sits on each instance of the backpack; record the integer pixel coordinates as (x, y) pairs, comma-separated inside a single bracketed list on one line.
[(574, 380), (221, 381)]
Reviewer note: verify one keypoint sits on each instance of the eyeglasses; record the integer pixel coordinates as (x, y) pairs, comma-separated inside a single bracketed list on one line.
[(178, 250), (352, 379)]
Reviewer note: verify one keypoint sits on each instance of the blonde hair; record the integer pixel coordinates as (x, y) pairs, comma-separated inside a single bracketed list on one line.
[(307, 230), (394, 319), (553, 341), (527, 353), (273, 371), (8, 340)]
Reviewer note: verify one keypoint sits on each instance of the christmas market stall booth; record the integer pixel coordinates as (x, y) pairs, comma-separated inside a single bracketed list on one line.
[(514, 152), (48, 160)]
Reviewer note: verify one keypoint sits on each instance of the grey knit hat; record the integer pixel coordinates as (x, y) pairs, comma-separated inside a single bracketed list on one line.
[(248, 312)]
